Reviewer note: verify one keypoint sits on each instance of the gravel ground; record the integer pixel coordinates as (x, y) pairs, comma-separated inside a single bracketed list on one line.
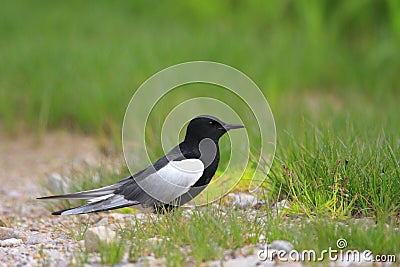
[(28, 235)]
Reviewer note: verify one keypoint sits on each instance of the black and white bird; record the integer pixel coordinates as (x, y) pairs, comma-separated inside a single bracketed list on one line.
[(171, 181)]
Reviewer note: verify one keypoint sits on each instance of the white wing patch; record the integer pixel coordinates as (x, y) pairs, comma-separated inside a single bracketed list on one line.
[(97, 199), (173, 180), (182, 173)]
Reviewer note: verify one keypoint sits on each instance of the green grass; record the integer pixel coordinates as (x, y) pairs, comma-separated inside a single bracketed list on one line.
[(339, 175), (76, 65), (208, 232)]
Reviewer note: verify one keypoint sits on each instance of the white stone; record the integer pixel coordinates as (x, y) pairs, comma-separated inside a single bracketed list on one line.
[(281, 206), (12, 242), (94, 236), (281, 245), (244, 201), (38, 239)]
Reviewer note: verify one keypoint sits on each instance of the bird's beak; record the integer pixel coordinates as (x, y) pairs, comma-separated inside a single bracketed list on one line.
[(233, 126)]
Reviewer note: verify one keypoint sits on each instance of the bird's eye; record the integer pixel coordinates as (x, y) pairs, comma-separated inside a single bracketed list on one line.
[(211, 123)]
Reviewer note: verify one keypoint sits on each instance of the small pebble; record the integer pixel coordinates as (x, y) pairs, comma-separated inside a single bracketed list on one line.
[(38, 239), (281, 245), (6, 233), (243, 201), (12, 242)]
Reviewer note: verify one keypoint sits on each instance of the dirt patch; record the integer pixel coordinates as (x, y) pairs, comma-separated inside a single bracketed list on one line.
[(24, 159)]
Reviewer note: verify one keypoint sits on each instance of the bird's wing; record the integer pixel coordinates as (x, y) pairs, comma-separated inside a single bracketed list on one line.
[(90, 194), (164, 181), (162, 186), (168, 183)]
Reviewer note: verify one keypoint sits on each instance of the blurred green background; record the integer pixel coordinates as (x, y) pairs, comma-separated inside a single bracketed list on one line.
[(76, 64)]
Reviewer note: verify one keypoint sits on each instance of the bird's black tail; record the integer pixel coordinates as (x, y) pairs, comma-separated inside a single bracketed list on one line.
[(114, 202), (89, 194), (100, 199)]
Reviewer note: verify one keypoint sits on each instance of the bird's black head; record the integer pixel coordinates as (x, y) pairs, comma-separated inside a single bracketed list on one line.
[(206, 126)]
